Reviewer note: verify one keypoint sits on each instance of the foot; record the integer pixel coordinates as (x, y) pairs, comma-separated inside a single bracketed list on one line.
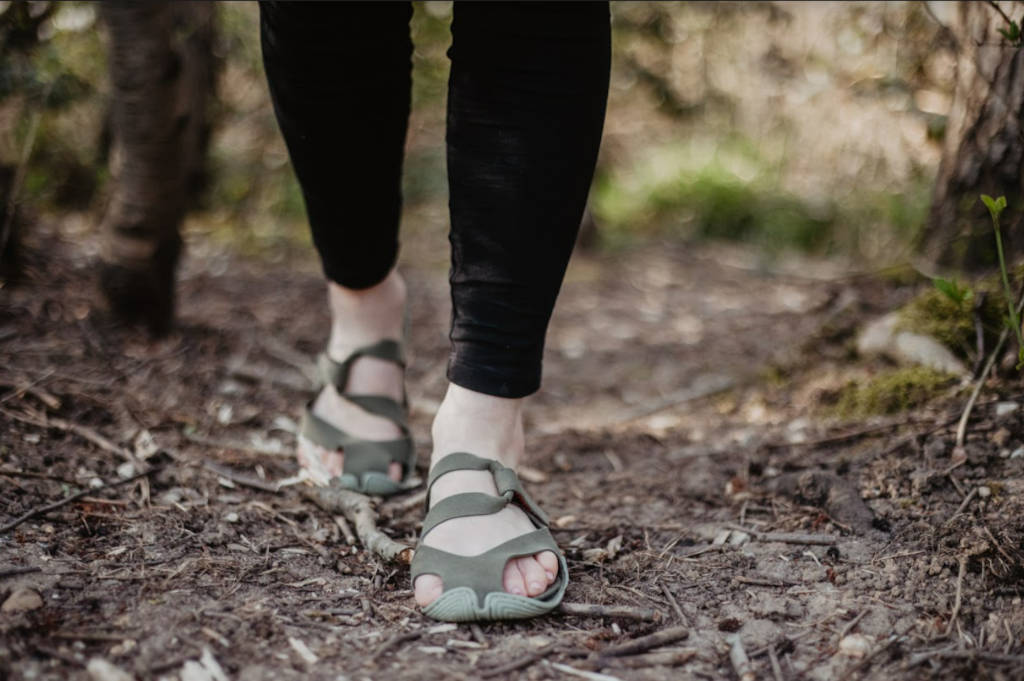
[(359, 318), (490, 427)]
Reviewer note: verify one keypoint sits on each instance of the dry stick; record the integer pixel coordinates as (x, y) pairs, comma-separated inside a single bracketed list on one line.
[(740, 662), (236, 445), (787, 537), (358, 509), (675, 604), (395, 640), (763, 581), (962, 506), (596, 610), (14, 572), (240, 478), (43, 510), (668, 658), (342, 524), (518, 663), (645, 643), (961, 427), (973, 654), (852, 623), (773, 657), (959, 595)]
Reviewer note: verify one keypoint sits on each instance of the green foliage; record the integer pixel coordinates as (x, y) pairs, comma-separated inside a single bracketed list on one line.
[(1012, 319), (952, 290), (1012, 34), (891, 392)]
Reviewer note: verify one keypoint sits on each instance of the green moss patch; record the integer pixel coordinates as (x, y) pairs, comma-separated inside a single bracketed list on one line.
[(891, 392), (951, 322)]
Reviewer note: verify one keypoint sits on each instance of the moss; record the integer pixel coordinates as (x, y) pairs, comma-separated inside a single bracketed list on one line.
[(890, 392), (952, 322)]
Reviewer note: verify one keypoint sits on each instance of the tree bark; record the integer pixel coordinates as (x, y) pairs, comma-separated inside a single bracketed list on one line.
[(162, 72), (984, 147)]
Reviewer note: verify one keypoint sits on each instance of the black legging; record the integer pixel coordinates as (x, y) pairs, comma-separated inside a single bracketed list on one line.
[(526, 103)]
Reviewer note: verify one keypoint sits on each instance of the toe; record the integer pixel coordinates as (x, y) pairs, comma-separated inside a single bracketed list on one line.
[(533, 575), (513, 579), (395, 472), (549, 561), (426, 589), (334, 462)]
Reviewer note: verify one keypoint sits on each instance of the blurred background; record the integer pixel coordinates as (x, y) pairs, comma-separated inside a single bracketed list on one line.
[(793, 127)]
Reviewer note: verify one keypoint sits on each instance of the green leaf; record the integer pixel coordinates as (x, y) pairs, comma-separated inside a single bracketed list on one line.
[(1012, 34), (995, 206), (951, 290)]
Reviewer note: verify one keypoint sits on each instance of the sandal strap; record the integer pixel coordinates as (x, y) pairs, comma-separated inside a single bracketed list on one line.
[(336, 373), (510, 489), (461, 506), (361, 455)]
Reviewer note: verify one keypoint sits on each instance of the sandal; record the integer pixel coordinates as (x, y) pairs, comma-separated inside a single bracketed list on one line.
[(365, 467), (473, 585)]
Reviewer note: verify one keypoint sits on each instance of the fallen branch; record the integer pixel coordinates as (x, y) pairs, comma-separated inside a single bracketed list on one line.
[(645, 643), (43, 510), (596, 610), (359, 510)]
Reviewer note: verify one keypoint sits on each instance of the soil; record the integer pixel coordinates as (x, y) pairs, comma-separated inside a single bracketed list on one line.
[(682, 429)]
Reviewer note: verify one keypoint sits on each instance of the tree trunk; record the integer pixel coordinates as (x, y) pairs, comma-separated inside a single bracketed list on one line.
[(162, 72), (984, 146)]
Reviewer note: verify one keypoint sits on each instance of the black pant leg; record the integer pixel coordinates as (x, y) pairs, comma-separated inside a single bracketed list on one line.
[(526, 104), (340, 80)]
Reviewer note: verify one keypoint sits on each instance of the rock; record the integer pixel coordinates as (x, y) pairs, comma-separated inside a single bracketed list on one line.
[(1004, 408), (984, 492), (22, 600), (882, 337), (101, 670), (855, 645)]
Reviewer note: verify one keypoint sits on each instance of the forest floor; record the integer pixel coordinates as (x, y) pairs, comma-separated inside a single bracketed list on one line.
[(681, 444)]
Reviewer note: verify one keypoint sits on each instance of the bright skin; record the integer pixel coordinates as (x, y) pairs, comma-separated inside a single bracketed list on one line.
[(466, 421)]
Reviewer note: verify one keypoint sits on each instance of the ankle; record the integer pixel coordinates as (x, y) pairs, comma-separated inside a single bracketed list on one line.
[(360, 317), (484, 425)]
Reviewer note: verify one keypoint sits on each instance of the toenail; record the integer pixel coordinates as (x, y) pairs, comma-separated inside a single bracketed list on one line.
[(536, 586), (550, 574), (517, 592)]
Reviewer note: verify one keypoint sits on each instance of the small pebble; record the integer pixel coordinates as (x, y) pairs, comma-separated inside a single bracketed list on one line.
[(231, 517), (1004, 408), (984, 492), (855, 645), (22, 600)]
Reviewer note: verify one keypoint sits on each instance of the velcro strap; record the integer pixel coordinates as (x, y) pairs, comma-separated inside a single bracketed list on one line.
[(383, 406), (510, 489), (461, 506)]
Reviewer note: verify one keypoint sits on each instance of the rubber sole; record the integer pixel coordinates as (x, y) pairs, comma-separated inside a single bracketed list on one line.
[(461, 604)]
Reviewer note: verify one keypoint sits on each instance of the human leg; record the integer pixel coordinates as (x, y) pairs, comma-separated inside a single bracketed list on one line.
[(340, 77), (526, 105)]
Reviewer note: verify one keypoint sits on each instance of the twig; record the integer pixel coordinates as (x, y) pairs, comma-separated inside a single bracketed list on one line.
[(773, 658), (240, 478), (236, 445), (959, 594), (596, 610), (358, 509), (960, 654), (787, 537), (740, 662), (572, 671), (848, 627), (645, 643), (392, 642), (518, 663), (346, 531), (14, 572), (675, 604), (478, 634), (667, 658), (43, 510), (961, 426), (404, 504), (963, 504), (763, 581)]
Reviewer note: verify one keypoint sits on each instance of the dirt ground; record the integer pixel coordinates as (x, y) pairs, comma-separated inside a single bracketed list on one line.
[(679, 444)]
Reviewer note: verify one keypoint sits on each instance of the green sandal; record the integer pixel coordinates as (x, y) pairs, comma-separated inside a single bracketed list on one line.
[(473, 588), (366, 461)]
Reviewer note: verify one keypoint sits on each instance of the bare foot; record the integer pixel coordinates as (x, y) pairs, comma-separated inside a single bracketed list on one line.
[(359, 318), (490, 427)]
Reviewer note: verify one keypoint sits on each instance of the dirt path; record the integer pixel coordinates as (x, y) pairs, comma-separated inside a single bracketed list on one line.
[(673, 443)]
